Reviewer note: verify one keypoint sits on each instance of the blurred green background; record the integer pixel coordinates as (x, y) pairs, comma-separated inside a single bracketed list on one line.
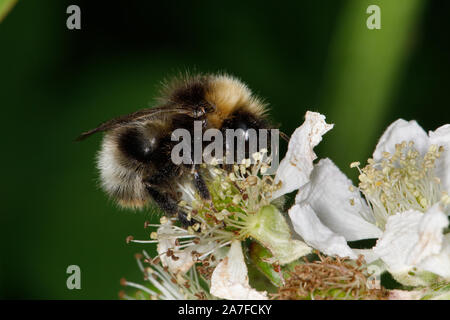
[(298, 55)]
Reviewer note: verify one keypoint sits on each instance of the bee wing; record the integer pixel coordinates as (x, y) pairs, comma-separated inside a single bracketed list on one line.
[(140, 115)]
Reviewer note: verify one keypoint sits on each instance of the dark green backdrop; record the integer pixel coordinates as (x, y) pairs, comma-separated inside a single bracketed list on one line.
[(298, 55)]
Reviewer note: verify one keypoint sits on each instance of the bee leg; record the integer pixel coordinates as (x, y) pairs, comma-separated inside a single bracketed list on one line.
[(163, 200), (200, 185), (202, 188), (182, 217), (227, 167), (169, 205)]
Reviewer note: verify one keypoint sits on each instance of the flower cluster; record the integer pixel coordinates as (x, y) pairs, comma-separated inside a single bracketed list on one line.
[(402, 200)]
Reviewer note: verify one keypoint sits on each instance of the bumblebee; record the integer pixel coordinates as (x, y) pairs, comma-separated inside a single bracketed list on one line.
[(135, 156)]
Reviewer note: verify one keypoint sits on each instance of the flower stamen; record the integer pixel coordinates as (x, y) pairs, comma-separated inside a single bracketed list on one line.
[(400, 181)]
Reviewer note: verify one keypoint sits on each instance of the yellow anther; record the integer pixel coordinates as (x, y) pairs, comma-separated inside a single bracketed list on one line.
[(445, 199), (214, 162), (182, 203), (257, 156), (163, 220), (354, 164), (236, 199)]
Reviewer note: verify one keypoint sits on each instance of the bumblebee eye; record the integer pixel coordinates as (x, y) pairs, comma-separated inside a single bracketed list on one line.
[(135, 144), (243, 122), (241, 125), (244, 126)]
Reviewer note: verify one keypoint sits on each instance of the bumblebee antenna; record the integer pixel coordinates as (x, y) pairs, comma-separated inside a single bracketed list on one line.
[(284, 136)]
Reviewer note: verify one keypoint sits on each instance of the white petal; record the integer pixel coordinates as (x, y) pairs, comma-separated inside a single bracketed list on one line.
[(430, 231), (184, 262), (295, 168), (398, 240), (185, 259), (340, 209), (398, 132), (317, 235), (441, 137), (439, 263), (229, 279), (413, 236)]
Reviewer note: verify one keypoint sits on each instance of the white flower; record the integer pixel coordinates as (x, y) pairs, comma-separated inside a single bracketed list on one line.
[(230, 280), (406, 187), (240, 208)]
